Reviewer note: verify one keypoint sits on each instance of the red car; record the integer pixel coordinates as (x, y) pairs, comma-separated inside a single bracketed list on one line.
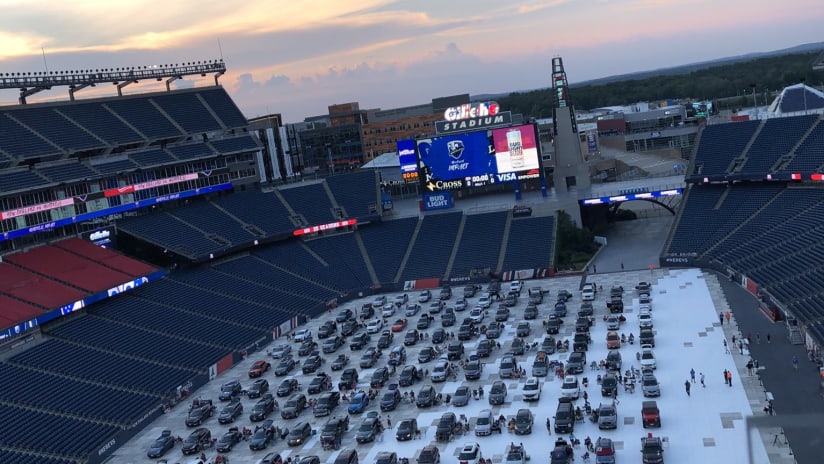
[(399, 325), (258, 368)]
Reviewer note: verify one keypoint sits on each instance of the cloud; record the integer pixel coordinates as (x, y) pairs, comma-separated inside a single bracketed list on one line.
[(534, 7)]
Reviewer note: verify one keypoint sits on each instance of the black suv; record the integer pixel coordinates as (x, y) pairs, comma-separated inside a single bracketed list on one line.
[(425, 397), (299, 434), (327, 329), (379, 377), (454, 350), (349, 379), (608, 385), (332, 344), (407, 429), (327, 402), (368, 430), (287, 387), (576, 362), (230, 390), (334, 428), (259, 388), (359, 341), (447, 426), (293, 407), (262, 408), (199, 413), (263, 436), (320, 383), (311, 364), (409, 375)]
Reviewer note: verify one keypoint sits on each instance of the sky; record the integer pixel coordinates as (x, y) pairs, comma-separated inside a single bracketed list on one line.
[(683, 309), (298, 57)]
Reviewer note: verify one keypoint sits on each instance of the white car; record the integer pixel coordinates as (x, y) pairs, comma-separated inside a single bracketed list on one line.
[(571, 388), (388, 310), (439, 372), (401, 299), (645, 320), (470, 454), (588, 292), (379, 301), (374, 326), (485, 301), (647, 357), (412, 310), (477, 315), (515, 286), (613, 323), (424, 296), (281, 351), (301, 335), (532, 389)]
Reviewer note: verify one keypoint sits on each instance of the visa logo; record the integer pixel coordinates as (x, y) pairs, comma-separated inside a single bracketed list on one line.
[(507, 177)]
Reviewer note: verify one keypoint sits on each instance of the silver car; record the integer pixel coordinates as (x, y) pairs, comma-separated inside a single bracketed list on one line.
[(461, 396), (607, 417), (650, 385)]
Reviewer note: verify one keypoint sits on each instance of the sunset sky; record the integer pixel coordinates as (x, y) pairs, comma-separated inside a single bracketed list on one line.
[(297, 57)]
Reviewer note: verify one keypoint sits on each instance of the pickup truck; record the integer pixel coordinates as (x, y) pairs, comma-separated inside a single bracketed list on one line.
[(650, 416), (616, 305), (652, 450)]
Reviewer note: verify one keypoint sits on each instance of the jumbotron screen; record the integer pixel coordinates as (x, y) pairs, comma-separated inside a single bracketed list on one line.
[(478, 158)]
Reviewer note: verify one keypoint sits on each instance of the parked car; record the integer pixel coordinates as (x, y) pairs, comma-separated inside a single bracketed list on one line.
[(531, 312), (374, 326), (311, 364), (424, 296), (326, 403), (259, 368), (281, 351), (197, 441), (652, 450), (321, 382), (399, 325), (523, 421), (285, 366), (199, 412), (532, 389), (348, 379), (609, 383), (294, 406), (379, 301), (461, 396), (358, 403), (497, 393), (523, 329), (650, 415), (473, 370), (430, 454), (298, 434), (368, 430), (409, 375), (264, 406), (407, 429), (607, 417), (447, 427), (484, 423), (230, 412), (385, 340), (161, 445), (258, 388), (470, 454), (301, 335), (411, 338), (425, 397), (332, 344), (379, 378), (391, 399), (613, 340), (412, 310), (648, 357), (327, 329), (228, 440), (287, 387), (570, 388), (650, 386), (230, 390)]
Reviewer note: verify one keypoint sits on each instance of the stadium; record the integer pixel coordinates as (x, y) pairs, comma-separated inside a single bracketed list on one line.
[(143, 258)]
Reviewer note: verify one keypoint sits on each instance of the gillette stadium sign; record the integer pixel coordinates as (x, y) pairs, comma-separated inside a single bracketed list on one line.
[(473, 116)]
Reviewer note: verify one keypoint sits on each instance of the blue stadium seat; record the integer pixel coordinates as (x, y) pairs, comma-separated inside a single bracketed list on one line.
[(429, 256), (316, 279), (191, 151), (342, 253), (187, 111), (264, 210), (531, 243), (356, 193), (719, 145), (86, 363), (312, 201), (141, 114), (115, 167), (154, 157), (59, 130), (209, 218), (235, 145), (150, 346), (386, 245), (480, 244), (20, 142), (223, 105), (98, 120), (67, 172), (809, 156), (170, 233), (20, 180), (777, 138)]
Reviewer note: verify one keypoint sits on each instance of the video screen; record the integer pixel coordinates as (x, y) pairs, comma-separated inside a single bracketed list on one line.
[(456, 156), (516, 149)]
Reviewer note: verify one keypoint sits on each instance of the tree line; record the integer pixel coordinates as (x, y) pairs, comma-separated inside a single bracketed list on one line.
[(768, 75)]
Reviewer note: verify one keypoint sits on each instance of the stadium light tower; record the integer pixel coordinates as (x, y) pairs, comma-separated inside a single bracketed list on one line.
[(31, 83), (754, 102)]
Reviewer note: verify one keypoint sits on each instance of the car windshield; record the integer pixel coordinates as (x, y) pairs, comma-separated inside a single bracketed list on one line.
[(192, 439), (357, 399), (228, 409), (426, 457), (483, 420), (506, 364), (227, 388), (291, 403), (650, 381), (466, 455), (646, 355), (160, 442), (367, 427), (497, 388), (531, 386)]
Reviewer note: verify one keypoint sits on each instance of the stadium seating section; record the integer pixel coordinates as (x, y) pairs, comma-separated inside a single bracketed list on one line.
[(768, 231), (480, 244), (386, 246), (433, 246), (355, 193), (531, 243), (311, 202)]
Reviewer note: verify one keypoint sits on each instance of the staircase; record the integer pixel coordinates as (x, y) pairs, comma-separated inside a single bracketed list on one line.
[(455, 247), (362, 247), (504, 242), (408, 250)]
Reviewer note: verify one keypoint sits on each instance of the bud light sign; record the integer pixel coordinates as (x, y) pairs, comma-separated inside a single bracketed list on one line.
[(440, 200)]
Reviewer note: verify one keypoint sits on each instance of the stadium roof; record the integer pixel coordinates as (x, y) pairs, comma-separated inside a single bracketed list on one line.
[(386, 160), (797, 98)]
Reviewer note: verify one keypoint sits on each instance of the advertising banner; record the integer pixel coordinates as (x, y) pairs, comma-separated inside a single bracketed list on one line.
[(439, 200), (516, 149), (592, 143), (456, 156), (406, 156)]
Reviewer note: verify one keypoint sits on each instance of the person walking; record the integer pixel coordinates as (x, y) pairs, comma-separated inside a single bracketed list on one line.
[(725, 376), (687, 386), (768, 337), (701, 377), (758, 338), (622, 265), (750, 364), (388, 422), (729, 378), (721, 318), (727, 316), (692, 375), (726, 348), (795, 362)]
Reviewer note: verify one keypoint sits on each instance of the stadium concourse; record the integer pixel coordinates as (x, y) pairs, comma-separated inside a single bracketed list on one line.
[(706, 426)]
